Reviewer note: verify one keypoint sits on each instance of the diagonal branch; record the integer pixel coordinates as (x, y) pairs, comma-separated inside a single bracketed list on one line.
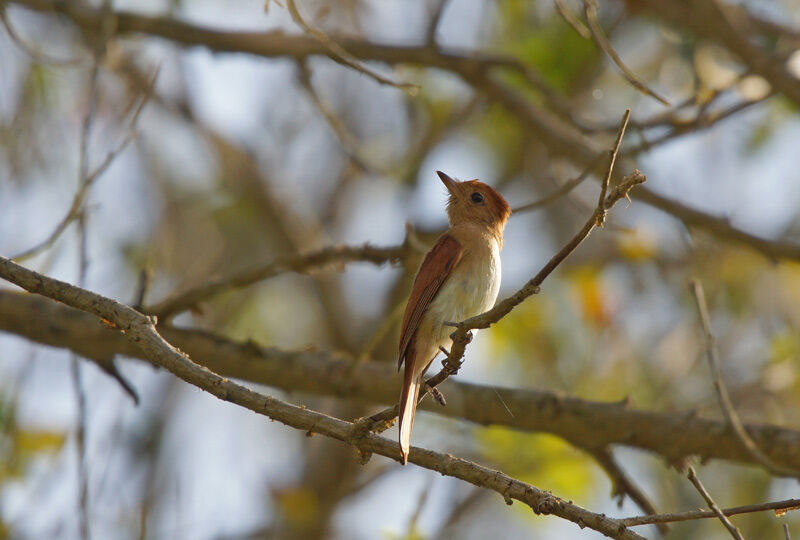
[(141, 331), (622, 484), (711, 504), (87, 177), (340, 54), (590, 10), (725, 403)]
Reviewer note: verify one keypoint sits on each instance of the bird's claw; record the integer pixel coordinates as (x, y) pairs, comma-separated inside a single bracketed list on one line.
[(437, 396)]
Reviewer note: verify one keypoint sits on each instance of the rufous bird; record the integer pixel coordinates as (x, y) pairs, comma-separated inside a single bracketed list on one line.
[(459, 278)]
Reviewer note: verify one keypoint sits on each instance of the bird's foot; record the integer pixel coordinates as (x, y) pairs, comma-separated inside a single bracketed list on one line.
[(437, 395)]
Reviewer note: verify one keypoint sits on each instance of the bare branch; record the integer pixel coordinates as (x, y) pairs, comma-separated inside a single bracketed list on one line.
[(612, 158), (347, 141), (87, 178), (37, 56), (584, 423), (725, 403), (590, 9), (433, 23), (711, 504), (622, 484), (183, 300), (572, 20), (141, 331), (776, 506), (563, 140), (559, 191), (339, 54)]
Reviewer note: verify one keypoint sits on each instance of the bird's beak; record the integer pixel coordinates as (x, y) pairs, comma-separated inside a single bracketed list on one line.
[(448, 182)]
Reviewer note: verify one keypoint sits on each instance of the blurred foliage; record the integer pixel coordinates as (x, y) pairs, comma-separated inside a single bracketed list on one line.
[(20, 447)]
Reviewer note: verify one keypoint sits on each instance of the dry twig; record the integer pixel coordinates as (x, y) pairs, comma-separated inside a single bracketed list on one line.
[(711, 504), (87, 178), (775, 506), (622, 484), (183, 300), (338, 53), (725, 403), (590, 10)]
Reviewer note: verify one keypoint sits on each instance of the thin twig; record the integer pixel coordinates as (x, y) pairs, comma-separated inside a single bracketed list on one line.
[(623, 485), (590, 10), (711, 504), (88, 178), (37, 56), (776, 506), (186, 299), (572, 20), (338, 53), (435, 20), (80, 397), (725, 403), (786, 531), (347, 141), (612, 158), (561, 190)]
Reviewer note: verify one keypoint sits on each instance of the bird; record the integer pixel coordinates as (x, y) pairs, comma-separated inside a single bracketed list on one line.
[(458, 278)]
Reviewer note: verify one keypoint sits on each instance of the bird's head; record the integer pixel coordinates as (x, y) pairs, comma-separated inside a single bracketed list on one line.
[(475, 202)]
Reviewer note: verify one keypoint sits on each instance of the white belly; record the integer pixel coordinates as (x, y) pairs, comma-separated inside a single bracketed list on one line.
[(465, 294)]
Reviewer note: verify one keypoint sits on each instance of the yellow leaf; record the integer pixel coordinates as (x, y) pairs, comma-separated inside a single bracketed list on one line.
[(36, 442)]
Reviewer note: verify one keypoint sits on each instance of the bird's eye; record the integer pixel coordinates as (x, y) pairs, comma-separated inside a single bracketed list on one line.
[(476, 198)]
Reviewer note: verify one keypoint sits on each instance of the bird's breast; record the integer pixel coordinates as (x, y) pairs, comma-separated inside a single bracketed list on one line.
[(470, 289)]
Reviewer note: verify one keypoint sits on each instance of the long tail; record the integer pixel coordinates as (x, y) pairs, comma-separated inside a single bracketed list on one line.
[(408, 405)]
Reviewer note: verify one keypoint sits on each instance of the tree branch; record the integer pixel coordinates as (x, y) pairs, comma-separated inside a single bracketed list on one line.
[(587, 424), (590, 10), (141, 331), (777, 506), (711, 504), (186, 299), (725, 403)]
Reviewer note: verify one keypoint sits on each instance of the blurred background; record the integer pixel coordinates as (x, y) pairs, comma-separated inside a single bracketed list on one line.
[(211, 159)]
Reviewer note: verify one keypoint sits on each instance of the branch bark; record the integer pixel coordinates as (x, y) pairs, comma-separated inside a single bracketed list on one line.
[(141, 331), (587, 424)]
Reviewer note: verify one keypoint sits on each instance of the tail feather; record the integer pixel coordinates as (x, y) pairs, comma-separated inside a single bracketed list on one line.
[(408, 408)]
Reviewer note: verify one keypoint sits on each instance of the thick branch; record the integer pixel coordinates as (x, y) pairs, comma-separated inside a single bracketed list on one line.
[(588, 424), (141, 331)]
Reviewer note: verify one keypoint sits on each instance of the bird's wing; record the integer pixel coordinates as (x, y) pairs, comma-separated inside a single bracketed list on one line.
[(433, 272)]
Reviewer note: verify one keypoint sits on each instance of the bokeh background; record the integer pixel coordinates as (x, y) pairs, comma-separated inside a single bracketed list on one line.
[(240, 158)]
